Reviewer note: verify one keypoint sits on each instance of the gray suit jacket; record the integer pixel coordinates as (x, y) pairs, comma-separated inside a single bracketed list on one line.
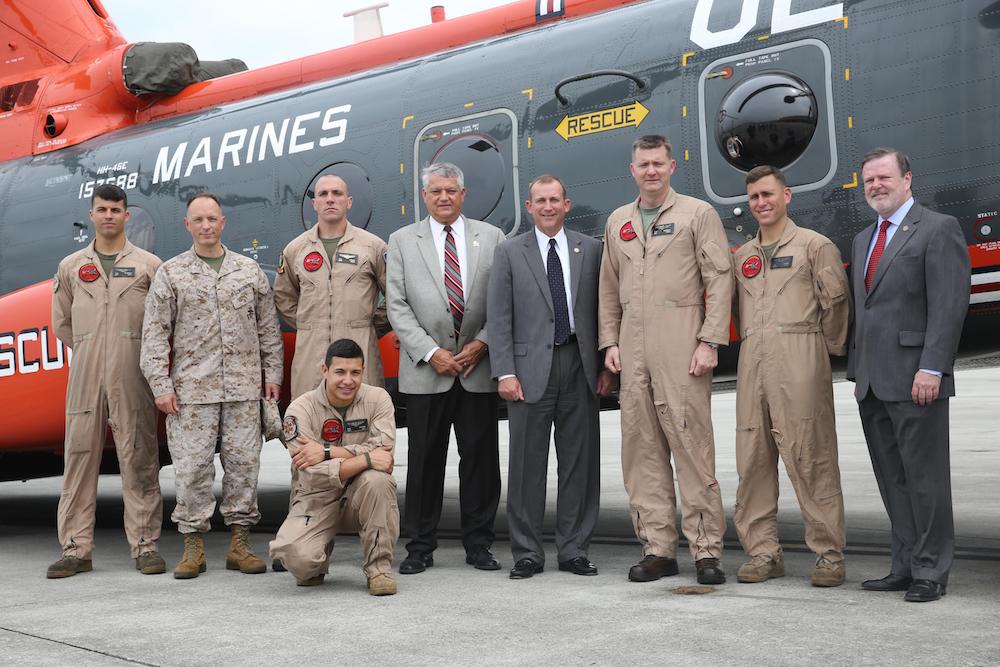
[(520, 310), (912, 317), (418, 307)]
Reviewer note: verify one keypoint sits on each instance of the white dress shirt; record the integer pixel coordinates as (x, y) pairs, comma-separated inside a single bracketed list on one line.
[(895, 220), (562, 249), (439, 235)]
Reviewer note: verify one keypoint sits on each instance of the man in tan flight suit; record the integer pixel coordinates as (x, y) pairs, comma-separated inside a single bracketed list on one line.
[(341, 436), (328, 286), (97, 307), (665, 292), (214, 309), (792, 311)]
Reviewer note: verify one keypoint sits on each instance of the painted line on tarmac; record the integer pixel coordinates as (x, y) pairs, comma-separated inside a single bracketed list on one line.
[(77, 646)]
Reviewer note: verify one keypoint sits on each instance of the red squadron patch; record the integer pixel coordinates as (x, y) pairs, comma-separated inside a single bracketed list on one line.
[(627, 232), (312, 261), (333, 430), (751, 267), (89, 273)]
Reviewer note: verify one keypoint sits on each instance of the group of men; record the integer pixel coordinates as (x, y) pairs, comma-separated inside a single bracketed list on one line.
[(545, 321)]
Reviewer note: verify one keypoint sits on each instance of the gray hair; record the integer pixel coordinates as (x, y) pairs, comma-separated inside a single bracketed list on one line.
[(444, 170)]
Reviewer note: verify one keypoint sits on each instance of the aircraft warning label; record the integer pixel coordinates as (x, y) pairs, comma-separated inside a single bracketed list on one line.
[(630, 115)]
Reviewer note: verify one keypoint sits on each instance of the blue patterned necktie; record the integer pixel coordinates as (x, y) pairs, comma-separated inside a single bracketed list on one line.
[(558, 289)]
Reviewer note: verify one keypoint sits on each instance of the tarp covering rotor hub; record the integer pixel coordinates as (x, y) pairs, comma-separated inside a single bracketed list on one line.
[(166, 68)]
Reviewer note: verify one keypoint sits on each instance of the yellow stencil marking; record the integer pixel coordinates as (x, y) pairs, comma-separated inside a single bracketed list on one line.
[(684, 58), (852, 184), (406, 118), (842, 19), (530, 92), (847, 74)]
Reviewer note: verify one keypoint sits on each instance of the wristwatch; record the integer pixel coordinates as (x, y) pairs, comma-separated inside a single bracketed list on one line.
[(326, 451)]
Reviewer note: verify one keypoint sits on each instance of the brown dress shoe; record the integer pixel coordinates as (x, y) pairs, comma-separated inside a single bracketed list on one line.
[(652, 568)]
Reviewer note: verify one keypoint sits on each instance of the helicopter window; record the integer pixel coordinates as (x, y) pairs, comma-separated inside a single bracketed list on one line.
[(358, 185), (481, 145), (767, 119), (768, 106), (140, 230)]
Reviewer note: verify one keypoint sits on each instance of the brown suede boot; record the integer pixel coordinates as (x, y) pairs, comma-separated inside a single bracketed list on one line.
[(241, 556), (193, 561)]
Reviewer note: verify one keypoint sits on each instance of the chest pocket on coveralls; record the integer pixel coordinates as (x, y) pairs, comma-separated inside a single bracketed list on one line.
[(131, 305), (84, 310)]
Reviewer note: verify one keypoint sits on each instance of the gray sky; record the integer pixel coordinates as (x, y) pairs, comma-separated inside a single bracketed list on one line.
[(257, 34)]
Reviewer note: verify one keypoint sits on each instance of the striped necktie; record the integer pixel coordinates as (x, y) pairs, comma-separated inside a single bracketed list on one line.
[(453, 281)]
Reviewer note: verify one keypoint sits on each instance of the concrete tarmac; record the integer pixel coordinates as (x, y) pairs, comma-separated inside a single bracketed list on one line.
[(453, 614)]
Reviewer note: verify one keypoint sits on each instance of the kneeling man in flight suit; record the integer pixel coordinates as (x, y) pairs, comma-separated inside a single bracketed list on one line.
[(341, 436)]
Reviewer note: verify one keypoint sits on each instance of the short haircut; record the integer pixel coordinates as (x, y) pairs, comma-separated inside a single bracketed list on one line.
[(651, 141), (444, 170), (344, 348), (109, 192), (347, 189), (205, 195), (763, 171), (901, 159), (547, 178)]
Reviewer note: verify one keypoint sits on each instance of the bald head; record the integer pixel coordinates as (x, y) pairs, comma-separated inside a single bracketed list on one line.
[(331, 201)]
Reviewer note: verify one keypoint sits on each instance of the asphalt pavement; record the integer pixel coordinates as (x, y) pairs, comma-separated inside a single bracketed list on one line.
[(453, 614)]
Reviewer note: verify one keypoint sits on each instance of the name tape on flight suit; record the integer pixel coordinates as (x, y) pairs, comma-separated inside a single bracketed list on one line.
[(123, 272), (356, 425), (663, 230), (346, 258), (781, 262)]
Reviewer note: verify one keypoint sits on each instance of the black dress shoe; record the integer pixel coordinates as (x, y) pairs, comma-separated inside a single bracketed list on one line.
[(525, 569), (482, 559), (278, 566), (415, 563), (652, 568), (579, 565), (710, 571), (891, 582), (925, 590)]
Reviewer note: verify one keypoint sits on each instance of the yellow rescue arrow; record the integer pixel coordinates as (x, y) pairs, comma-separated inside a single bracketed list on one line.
[(630, 115)]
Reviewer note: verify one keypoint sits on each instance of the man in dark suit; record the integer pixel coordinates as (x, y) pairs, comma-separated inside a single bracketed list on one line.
[(910, 278), (436, 279), (542, 310)]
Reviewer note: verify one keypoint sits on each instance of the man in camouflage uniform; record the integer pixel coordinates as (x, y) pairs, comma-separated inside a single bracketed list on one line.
[(218, 308), (341, 436)]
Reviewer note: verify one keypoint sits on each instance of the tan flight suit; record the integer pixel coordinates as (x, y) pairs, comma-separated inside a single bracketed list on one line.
[(323, 505), (333, 301), (792, 312), (225, 334), (100, 318), (660, 296)]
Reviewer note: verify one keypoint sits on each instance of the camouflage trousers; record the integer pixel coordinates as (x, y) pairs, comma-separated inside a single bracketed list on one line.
[(191, 437)]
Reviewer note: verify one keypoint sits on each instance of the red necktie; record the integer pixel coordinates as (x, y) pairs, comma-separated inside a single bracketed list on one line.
[(876, 255)]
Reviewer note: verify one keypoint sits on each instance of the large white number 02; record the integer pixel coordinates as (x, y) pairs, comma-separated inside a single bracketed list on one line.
[(782, 20)]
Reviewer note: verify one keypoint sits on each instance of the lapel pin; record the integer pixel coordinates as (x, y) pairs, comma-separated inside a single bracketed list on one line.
[(576, 250), (475, 244), (906, 228)]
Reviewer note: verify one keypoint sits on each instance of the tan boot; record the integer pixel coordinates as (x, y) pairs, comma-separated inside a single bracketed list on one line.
[(193, 561), (382, 584), (761, 568), (67, 566), (150, 562), (241, 556), (828, 573)]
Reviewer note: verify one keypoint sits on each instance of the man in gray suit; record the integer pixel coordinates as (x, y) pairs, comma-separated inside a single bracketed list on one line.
[(542, 310), (910, 278), (437, 274)]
